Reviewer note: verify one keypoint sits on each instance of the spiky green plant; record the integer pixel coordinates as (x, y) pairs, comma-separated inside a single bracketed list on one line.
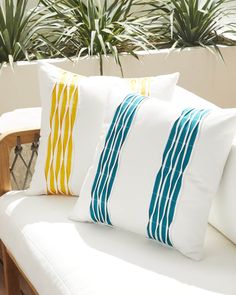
[(99, 28), (188, 23), (23, 32)]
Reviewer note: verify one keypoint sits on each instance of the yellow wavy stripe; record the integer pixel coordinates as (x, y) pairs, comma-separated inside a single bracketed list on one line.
[(74, 106), (54, 105), (143, 89), (133, 85), (140, 85), (56, 130), (63, 181), (59, 154), (48, 157), (68, 129), (62, 117)]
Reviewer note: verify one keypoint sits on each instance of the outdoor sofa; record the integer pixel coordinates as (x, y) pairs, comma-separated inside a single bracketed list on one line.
[(43, 252)]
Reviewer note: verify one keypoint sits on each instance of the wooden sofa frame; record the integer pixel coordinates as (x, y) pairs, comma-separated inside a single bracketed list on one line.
[(15, 282)]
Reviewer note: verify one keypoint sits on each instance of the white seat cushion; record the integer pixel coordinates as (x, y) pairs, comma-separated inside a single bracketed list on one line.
[(28, 118), (61, 257)]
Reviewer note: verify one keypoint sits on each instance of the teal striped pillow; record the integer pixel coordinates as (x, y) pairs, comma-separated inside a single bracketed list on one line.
[(156, 170)]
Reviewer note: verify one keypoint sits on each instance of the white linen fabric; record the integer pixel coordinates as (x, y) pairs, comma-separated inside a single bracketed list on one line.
[(72, 114), (156, 170), (222, 213), (61, 257), (20, 119)]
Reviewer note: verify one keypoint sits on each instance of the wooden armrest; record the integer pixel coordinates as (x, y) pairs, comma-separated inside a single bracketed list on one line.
[(7, 142)]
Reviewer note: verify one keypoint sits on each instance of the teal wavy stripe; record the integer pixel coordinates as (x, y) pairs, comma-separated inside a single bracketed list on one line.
[(169, 179), (94, 208), (109, 158)]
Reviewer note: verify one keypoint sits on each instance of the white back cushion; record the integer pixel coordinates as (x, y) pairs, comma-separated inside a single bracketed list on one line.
[(222, 214)]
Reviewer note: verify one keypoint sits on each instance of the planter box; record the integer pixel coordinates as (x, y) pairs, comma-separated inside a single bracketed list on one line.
[(201, 72)]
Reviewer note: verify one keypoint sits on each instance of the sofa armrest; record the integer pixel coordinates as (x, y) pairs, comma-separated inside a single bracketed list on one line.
[(7, 142)]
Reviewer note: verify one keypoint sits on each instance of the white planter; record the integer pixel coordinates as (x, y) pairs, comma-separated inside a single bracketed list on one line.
[(201, 72)]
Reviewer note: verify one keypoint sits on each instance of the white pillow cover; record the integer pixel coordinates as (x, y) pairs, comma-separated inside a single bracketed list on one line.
[(222, 215), (73, 110), (156, 169)]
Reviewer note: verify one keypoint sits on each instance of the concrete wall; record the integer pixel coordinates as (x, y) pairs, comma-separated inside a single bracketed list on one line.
[(201, 72)]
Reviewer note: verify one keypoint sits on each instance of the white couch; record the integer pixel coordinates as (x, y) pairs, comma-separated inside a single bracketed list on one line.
[(62, 257)]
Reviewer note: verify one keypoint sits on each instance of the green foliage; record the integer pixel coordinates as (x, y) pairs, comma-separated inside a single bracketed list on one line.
[(100, 28), (79, 28), (188, 23), (23, 32)]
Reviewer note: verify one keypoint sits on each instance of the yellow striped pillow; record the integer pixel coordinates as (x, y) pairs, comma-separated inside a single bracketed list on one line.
[(64, 105), (73, 110)]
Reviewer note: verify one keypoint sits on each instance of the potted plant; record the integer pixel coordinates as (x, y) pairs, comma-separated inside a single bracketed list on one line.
[(117, 30), (24, 33), (100, 28), (194, 23)]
